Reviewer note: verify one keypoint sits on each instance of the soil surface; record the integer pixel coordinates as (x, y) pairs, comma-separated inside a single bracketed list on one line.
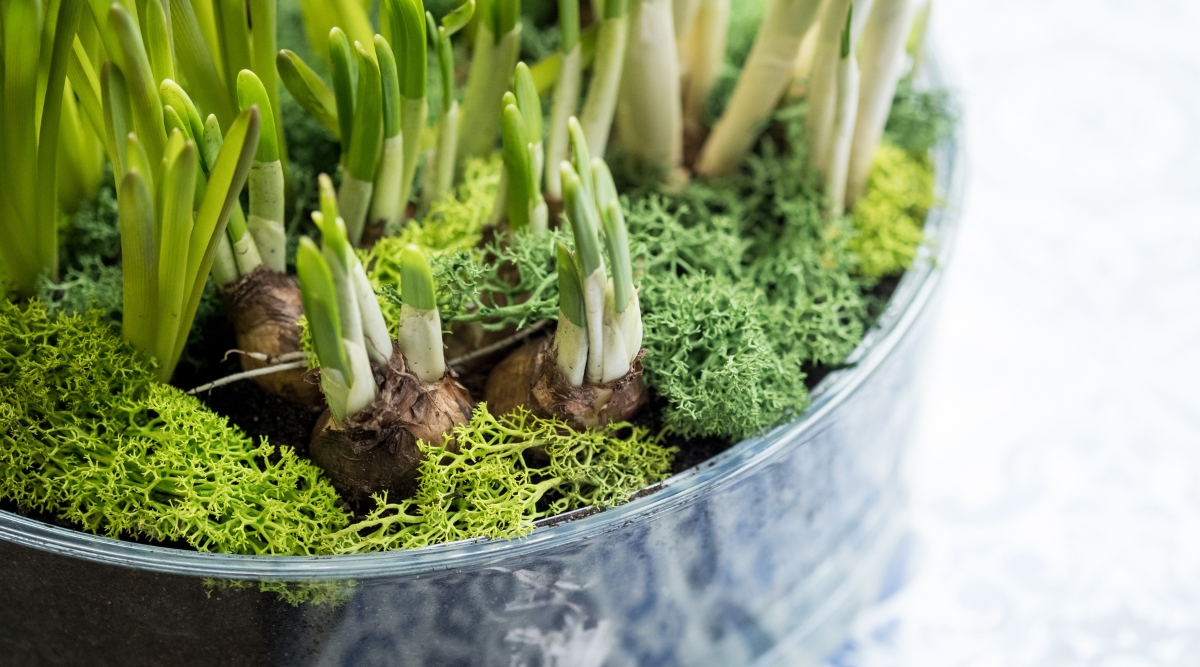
[(246, 406)]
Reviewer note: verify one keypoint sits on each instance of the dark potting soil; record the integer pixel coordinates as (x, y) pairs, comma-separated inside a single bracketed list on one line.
[(243, 403)]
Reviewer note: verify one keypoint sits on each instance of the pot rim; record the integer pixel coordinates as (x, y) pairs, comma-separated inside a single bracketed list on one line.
[(910, 299)]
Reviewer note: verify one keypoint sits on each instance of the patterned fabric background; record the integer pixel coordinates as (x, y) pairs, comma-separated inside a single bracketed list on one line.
[(1056, 478)]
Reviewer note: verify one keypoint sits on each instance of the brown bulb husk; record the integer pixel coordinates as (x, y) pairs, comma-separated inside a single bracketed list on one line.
[(376, 449), (265, 308), (530, 377)]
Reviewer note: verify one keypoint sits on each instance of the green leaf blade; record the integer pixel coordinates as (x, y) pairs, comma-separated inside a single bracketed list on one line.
[(252, 92), (309, 90), (320, 305), (416, 280)]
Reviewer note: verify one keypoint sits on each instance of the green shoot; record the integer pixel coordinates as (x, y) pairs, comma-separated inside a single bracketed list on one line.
[(341, 61), (367, 131), (420, 323), (765, 76), (566, 94), (263, 25), (616, 236), (117, 114), (570, 339), (139, 262), (580, 211), (362, 153), (194, 58), (234, 36), (175, 225), (228, 176), (320, 305), (158, 41), (266, 177), (359, 307), (167, 250), (497, 46), (251, 92), (601, 103), (416, 286), (174, 96), (143, 89), (440, 171), (386, 203), (518, 170), (407, 25), (237, 251), (345, 375), (306, 86)]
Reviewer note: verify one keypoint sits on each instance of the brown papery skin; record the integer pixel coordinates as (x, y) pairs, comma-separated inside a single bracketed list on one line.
[(530, 377), (265, 308), (376, 449)]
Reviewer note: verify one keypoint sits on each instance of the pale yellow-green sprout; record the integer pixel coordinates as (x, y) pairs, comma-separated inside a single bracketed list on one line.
[(596, 118), (497, 46), (762, 82), (440, 165)]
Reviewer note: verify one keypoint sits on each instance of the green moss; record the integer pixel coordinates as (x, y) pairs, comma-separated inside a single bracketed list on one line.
[(516, 285), (708, 353), (919, 119), (88, 435), (331, 593), (670, 241), (488, 488), (890, 216)]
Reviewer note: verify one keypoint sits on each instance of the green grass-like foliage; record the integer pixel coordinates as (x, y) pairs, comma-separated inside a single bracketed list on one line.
[(489, 488), (86, 433), (889, 218)]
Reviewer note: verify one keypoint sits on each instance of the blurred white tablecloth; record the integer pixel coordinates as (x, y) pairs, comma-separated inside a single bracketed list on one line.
[(1056, 477)]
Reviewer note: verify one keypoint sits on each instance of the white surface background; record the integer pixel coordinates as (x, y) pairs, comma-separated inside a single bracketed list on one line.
[(1056, 475)]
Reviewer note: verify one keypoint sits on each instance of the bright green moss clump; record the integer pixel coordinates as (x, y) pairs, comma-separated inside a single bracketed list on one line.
[(890, 217), (88, 435), (709, 355), (745, 282), (490, 489)]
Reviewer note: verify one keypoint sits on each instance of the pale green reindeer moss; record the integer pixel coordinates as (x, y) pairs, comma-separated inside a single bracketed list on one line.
[(490, 488), (88, 435), (890, 217), (709, 355)]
